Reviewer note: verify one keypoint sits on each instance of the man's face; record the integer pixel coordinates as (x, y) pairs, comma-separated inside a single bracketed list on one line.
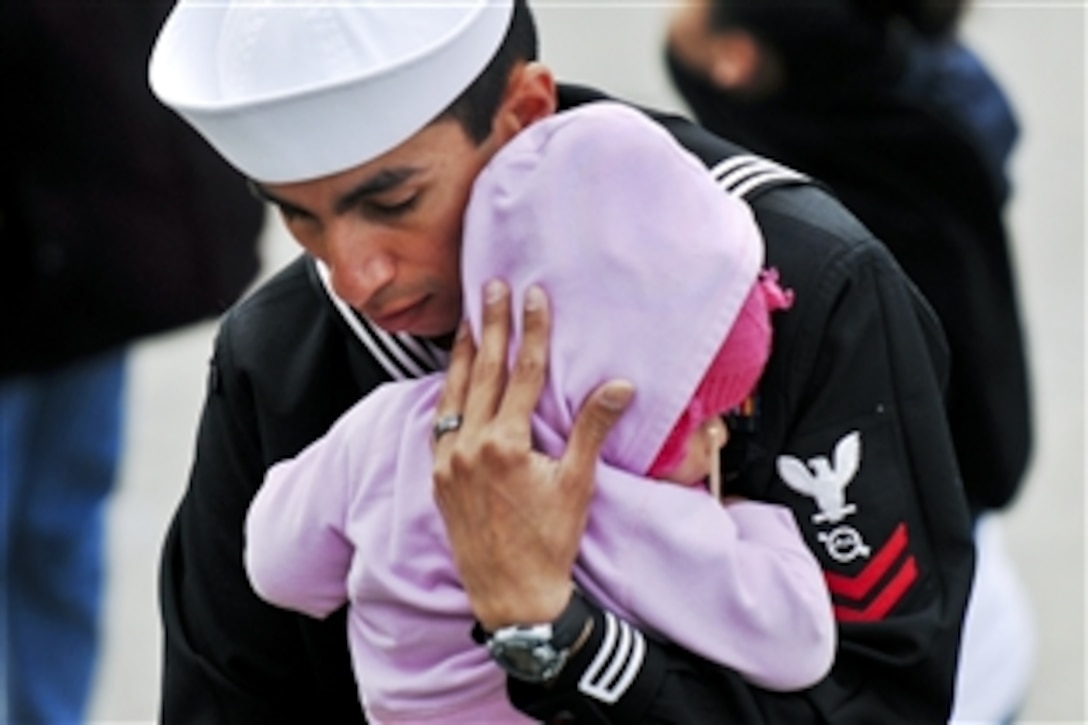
[(390, 230)]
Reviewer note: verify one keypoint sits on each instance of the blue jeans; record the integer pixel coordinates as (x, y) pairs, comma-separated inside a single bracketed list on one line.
[(60, 435)]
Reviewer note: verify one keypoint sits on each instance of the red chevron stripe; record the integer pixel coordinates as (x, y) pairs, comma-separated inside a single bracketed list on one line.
[(859, 586), (887, 598)]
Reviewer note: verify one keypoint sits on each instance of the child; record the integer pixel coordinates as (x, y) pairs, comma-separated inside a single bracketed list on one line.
[(646, 281)]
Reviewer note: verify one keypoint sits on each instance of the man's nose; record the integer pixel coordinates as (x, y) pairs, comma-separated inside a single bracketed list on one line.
[(359, 266)]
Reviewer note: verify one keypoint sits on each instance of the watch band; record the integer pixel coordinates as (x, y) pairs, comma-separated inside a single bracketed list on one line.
[(568, 627)]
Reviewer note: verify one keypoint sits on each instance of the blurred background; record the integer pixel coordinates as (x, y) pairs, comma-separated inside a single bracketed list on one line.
[(1036, 48)]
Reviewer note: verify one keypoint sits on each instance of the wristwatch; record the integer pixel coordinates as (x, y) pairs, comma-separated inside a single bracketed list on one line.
[(537, 652)]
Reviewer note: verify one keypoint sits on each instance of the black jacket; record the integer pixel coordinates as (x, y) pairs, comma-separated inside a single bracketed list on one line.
[(116, 219), (860, 352)]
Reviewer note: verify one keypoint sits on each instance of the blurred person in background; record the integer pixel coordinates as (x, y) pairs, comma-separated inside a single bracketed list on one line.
[(117, 222), (885, 105)]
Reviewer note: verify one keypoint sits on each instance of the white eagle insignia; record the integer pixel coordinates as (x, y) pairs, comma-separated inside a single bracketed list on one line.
[(824, 482)]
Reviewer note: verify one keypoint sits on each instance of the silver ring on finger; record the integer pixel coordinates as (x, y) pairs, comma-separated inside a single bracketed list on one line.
[(447, 424)]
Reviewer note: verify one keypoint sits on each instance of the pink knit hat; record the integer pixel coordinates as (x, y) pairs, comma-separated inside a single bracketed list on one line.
[(734, 371)]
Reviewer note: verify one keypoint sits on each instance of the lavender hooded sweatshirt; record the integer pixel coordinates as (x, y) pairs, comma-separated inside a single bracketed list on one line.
[(646, 264)]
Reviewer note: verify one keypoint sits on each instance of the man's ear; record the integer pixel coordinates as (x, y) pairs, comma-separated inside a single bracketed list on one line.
[(735, 60), (530, 96)]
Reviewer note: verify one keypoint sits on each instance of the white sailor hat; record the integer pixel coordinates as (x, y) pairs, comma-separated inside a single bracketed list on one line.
[(292, 90)]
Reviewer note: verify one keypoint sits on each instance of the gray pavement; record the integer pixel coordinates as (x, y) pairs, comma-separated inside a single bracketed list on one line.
[(1036, 47)]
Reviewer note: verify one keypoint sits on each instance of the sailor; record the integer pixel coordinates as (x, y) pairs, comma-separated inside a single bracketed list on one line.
[(366, 125)]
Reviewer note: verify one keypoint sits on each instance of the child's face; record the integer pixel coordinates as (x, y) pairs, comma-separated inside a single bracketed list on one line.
[(701, 453)]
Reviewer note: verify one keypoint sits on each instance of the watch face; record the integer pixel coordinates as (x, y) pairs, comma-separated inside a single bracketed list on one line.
[(527, 652)]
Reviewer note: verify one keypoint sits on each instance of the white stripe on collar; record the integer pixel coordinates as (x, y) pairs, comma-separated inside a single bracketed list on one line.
[(402, 355), (743, 174)]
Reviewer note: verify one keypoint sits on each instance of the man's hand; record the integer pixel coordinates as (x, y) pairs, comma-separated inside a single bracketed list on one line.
[(515, 517)]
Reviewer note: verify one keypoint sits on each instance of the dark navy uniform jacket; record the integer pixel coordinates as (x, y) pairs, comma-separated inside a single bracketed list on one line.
[(850, 433)]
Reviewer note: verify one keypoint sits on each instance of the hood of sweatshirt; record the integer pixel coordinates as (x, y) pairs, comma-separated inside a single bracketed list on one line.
[(645, 260)]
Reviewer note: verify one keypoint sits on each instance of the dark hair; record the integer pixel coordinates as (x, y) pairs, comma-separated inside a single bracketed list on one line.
[(928, 17), (475, 108), (931, 18)]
